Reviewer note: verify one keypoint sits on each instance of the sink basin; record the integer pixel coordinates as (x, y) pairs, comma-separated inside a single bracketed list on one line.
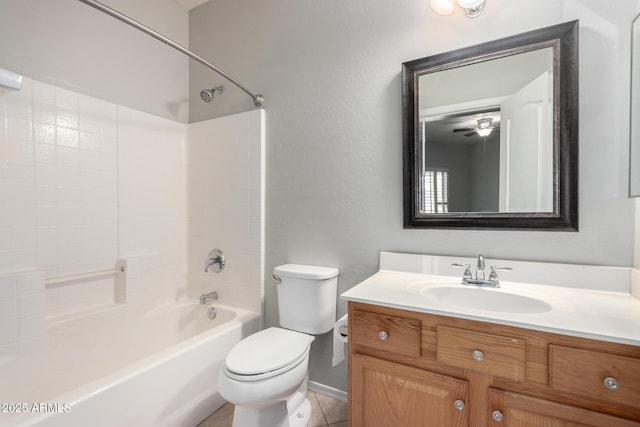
[(485, 299)]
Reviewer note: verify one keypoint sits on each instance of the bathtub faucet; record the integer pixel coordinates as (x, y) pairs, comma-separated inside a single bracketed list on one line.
[(211, 296)]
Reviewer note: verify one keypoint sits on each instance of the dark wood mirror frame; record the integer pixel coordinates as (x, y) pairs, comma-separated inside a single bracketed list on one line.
[(563, 38)]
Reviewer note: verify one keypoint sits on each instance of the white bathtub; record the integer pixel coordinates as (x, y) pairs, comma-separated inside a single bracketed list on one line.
[(122, 369)]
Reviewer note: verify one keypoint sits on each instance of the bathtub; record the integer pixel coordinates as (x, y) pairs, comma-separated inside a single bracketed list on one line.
[(119, 368)]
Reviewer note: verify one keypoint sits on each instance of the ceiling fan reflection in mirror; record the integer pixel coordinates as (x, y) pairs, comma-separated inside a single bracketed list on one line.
[(484, 128)]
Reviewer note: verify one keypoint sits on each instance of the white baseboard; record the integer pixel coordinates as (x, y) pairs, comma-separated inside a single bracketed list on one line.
[(325, 390)]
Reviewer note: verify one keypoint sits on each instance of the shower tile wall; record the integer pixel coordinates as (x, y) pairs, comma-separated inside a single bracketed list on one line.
[(22, 308), (58, 181), (84, 182), (153, 200), (226, 167)]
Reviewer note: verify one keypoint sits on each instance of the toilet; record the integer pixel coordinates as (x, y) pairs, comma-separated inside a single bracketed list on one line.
[(266, 374)]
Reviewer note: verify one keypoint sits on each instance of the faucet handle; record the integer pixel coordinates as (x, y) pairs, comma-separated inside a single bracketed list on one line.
[(215, 260), (466, 275), (494, 274)]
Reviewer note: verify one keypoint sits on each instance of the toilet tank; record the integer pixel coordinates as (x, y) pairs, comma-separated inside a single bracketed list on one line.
[(307, 297)]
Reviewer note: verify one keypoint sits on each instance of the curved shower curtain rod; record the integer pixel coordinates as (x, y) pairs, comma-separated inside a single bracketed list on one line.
[(257, 99)]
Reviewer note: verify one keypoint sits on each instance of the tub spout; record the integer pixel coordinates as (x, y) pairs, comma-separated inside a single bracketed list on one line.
[(211, 296)]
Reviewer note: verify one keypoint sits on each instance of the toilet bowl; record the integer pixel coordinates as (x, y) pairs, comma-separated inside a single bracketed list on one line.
[(266, 378), (266, 374)]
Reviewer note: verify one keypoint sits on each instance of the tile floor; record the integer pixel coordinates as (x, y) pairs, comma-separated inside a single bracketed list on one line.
[(325, 412)]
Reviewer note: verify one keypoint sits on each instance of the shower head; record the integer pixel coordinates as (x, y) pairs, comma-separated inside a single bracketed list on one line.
[(207, 94)]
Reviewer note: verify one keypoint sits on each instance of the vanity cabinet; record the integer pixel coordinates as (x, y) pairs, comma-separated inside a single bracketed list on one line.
[(392, 394), (516, 410), (416, 369)]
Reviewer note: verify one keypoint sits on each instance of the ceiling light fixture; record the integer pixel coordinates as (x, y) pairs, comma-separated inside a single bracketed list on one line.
[(443, 7), (472, 8), (484, 127)]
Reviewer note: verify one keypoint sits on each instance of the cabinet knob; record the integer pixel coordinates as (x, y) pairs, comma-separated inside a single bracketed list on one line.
[(459, 405), (478, 356), (497, 416), (383, 335), (611, 383)]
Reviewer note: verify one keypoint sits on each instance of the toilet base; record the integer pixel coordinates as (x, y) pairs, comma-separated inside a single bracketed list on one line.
[(294, 412)]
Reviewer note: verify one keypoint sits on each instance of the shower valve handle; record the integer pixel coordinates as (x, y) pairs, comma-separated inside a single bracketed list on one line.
[(215, 260)]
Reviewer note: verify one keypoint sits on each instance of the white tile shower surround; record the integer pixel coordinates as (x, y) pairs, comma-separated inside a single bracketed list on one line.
[(55, 156), (22, 312), (152, 198), (84, 182), (226, 211)]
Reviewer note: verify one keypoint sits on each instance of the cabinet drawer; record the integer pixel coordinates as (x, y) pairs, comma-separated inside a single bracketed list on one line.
[(500, 356), (512, 409), (391, 334), (601, 376)]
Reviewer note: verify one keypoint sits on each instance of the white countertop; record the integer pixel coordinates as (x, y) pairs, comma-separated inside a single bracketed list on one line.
[(602, 309)]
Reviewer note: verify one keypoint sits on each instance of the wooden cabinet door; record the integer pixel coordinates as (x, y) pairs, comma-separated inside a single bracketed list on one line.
[(387, 394), (516, 410)]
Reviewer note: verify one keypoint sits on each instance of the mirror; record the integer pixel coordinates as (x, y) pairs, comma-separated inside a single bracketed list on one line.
[(634, 167), (490, 134)]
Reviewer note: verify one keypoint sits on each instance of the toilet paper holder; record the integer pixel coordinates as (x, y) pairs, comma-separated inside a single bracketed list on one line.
[(343, 330), (340, 339)]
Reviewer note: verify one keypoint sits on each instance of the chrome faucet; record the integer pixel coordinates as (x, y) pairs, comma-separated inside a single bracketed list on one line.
[(479, 280), (480, 268), (208, 297)]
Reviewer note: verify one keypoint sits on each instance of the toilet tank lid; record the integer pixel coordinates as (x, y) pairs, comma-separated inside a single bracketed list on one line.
[(305, 271)]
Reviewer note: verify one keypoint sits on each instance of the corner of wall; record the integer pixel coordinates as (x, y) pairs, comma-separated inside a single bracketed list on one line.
[(635, 282), (636, 242)]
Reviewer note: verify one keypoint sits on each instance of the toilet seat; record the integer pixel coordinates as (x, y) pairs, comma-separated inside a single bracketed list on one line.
[(266, 354)]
